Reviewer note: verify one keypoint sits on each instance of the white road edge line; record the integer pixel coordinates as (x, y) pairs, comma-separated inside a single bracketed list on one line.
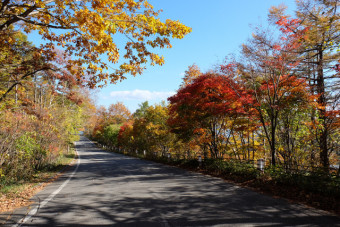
[(49, 198)]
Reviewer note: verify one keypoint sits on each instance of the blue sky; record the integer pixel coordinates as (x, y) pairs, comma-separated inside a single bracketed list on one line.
[(219, 27)]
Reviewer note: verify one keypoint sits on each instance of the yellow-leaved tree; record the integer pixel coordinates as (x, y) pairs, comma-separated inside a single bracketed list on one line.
[(91, 31)]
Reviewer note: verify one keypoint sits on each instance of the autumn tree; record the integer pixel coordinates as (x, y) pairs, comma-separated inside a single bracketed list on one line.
[(270, 74), (319, 58), (87, 30), (150, 131), (203, 108), (160, 137), (119, 113)]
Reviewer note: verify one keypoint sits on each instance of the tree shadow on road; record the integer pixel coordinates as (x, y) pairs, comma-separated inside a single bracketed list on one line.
[(111, 189)]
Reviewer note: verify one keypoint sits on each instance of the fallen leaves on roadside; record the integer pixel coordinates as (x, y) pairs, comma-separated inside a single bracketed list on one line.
[(22, 197)]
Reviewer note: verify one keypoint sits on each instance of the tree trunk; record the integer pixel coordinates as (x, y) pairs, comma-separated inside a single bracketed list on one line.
[(320, 87), (273, 141)]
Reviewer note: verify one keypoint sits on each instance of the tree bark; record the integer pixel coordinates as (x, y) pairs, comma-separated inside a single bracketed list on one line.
[(320, 87)]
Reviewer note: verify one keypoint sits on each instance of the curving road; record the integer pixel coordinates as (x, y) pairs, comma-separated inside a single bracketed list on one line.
[(111, 189)]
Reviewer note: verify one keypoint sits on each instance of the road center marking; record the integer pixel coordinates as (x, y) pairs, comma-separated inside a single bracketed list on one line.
[(49, 198)]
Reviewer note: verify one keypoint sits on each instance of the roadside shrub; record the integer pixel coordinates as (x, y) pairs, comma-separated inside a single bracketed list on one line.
[(317, 181)]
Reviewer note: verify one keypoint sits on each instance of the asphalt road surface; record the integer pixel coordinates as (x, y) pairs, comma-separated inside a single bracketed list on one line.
[(107, 189)]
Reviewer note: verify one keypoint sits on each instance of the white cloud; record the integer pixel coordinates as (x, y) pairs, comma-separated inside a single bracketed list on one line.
[(141, 95)]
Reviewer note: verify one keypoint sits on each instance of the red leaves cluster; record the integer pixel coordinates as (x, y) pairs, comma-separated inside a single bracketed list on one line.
[(288, 25), (125, 133), (293, 32), (211, 95)]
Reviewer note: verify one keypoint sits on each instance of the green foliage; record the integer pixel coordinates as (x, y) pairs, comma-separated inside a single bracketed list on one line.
[(316, 181), (141, 111), (26, 145), (110, 135), (14, 185), (232, 168)]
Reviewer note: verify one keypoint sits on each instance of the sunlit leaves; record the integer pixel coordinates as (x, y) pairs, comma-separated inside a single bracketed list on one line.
[(89, 30), (203, 107)]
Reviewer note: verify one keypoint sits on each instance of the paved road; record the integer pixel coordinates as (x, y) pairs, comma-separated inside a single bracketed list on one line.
[(110, 189)]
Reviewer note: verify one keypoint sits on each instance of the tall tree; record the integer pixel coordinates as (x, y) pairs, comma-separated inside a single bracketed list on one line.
[(270, 75), (319, 56)]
